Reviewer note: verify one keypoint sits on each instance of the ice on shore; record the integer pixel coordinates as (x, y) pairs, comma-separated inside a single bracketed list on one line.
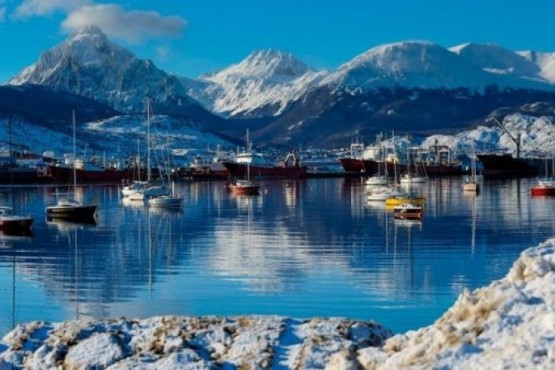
[(508, 324)]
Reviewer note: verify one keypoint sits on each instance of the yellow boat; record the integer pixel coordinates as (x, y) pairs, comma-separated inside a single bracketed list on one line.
[(396, 201)]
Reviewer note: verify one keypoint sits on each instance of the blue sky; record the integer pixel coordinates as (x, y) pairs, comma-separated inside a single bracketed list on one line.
[(191, 37)]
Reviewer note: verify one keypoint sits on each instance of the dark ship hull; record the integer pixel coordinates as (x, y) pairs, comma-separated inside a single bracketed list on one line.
[(369, 167), (505, 165)]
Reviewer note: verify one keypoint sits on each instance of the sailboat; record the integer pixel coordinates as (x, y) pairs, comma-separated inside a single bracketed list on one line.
[(11, 223), (410, 177), (470, 184), (141, 190), (66, 206), (380, 178), (166, 200), (244, 186)]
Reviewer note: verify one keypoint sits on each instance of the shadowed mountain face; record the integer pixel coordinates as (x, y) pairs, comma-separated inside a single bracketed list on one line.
[(332, 118), (50, 108)]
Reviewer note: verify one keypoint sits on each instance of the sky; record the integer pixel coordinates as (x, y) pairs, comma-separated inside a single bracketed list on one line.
[(192, 37)]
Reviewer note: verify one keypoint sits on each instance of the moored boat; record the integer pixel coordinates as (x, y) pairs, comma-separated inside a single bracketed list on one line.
[(289, 168), (505, 165), (244, 187), (544, 187), (63, 173), (398, 200), (408, 211), (66, 206), (10, 223), (165, 201), (70, 209)]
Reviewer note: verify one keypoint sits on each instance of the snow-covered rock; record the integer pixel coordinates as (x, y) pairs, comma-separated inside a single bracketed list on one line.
[(509, 324), (171, 342)]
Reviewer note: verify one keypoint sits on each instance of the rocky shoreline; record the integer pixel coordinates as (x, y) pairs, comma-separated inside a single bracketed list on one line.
[(508, 324)]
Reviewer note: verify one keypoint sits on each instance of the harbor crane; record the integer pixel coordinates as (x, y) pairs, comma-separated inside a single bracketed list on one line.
[(515, 140)]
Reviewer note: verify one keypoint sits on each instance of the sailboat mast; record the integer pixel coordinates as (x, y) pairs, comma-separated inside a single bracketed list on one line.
[(250, 157), (148, 140), (11, 159), (74, 167)]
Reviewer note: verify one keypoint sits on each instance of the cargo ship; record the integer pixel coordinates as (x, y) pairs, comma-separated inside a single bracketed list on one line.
[(367, 161), (505, 165)]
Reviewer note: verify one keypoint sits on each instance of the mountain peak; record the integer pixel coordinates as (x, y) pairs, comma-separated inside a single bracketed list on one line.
[(267, 64), (91, 30), (87, 63)]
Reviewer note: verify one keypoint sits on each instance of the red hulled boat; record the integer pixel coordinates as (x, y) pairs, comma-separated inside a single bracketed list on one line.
[(545, 187)]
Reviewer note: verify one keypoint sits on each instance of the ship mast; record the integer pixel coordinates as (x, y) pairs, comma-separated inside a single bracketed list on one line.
[(515, 140)]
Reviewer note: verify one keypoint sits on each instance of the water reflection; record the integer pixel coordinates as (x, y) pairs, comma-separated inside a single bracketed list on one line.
[(302, 248)]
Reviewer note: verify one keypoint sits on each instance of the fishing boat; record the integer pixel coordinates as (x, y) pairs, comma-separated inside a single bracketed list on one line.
[(245, 186), (408, 211), (261, 167), (66, 206)]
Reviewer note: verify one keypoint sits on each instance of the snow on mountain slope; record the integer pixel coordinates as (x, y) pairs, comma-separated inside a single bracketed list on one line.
[(116, 136), (544, 61), (537, 135), (266, 79), (496, 59), (88, 64), (409, 64)]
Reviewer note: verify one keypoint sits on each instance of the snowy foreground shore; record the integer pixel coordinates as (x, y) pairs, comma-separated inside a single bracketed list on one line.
[(508, 324)]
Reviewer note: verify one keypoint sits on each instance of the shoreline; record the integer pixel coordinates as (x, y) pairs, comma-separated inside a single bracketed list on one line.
[(509, 323)]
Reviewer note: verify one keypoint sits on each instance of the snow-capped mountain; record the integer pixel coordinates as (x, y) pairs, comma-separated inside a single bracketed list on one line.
[(88, 64), (544, 61), (262, 84), (498, 60), (423, 65), (408, 86)]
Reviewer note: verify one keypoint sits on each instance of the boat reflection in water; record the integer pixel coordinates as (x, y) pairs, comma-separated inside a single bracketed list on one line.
[(310, 248)]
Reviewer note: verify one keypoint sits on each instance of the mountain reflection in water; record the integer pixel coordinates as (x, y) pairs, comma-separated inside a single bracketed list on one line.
[(302, 248)]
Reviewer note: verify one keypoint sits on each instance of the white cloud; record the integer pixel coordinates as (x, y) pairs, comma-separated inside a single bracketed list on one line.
[(30, 8), (132, 26)]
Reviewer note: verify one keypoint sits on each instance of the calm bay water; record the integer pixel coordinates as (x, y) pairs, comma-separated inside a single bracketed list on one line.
[(301, 249)]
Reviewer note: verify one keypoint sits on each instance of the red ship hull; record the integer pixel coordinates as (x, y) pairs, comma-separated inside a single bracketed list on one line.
[(543, 190), (64, 175)]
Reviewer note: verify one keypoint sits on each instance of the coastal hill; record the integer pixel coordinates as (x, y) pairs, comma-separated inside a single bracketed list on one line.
[(507, 324)]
